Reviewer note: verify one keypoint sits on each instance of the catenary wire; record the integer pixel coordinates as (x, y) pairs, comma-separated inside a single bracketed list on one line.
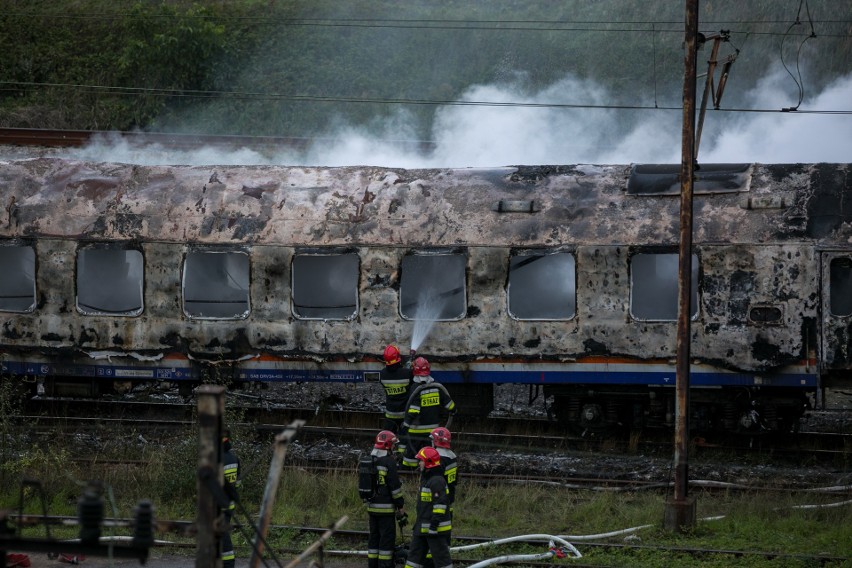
[(245, 95), (278, 20), (464, 25)]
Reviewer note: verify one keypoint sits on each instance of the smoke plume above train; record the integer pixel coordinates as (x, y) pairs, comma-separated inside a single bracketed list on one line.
[(518, 129)]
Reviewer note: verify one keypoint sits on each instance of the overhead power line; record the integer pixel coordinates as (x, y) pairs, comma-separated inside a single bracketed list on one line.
[(800, 84), (379, 21), (449, 24), (245, 95)]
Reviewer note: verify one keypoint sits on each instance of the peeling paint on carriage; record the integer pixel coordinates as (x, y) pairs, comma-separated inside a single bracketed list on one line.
[(760, 251)]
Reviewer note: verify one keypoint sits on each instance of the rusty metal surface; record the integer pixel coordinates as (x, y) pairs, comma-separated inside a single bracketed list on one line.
[(754, 247)]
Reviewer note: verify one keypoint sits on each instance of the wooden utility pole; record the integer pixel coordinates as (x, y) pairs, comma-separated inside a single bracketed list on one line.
[(680, 510), (211, 411)]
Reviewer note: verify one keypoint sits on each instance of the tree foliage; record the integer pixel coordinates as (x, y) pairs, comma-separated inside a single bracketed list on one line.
[(292, 67)]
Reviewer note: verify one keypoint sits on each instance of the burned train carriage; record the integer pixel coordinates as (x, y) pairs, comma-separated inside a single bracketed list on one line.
[(562, 277)]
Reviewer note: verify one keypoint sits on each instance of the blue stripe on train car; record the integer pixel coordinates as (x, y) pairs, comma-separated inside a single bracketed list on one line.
[(655, 378), (525, 376), (300, 375), (106, 372)]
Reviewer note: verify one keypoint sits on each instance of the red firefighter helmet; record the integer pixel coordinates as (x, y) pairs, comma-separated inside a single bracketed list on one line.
[(440, 437), (392, 355), (421, 367), (386, 440), (430, 457)]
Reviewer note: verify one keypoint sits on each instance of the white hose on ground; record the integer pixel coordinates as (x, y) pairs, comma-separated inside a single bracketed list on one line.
[(823, 506), (832, 489), (513, 558), (605, 535), (525, 538), (563, 540), (566, 547)]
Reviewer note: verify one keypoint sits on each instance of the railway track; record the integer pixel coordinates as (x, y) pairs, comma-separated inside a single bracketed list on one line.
[(263, 416), (76, 138), (358, 427), (355, 539), (596, 484), (47, 138)]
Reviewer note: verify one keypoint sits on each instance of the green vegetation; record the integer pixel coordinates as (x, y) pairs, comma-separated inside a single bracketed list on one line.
[(164, 472), (296, 67)]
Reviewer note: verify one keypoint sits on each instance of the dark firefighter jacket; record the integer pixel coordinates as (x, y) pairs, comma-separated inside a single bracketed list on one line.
[(450, 465), (433, 503), (231, 467), (425, 406), (388, 497), (396, 380)]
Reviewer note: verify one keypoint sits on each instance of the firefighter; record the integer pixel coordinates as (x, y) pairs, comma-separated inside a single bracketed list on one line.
[(433, 525), (385, 507), (233, 479), (441, 437), (428, 402), (449, 461), (396, 380)]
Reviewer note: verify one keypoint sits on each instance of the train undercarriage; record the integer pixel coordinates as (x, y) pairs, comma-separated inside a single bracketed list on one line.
[(580, 408), (740, 410)]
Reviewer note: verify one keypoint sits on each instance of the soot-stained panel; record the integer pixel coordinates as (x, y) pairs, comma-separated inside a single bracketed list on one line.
[(829, 208)]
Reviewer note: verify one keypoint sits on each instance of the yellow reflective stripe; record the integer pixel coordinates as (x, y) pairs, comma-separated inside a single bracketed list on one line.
[(379, 511), (396, 389), (430, 399), (450, 474), (441, 528)]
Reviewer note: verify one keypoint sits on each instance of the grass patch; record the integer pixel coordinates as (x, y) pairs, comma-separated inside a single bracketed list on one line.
[(755, 525)]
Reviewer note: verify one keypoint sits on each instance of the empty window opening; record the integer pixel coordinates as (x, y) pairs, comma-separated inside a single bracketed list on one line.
[(325, 286), (653, 287), (432, 287), (542, 286), (216, 285), (17, 279), (840, 286), (109, 282)]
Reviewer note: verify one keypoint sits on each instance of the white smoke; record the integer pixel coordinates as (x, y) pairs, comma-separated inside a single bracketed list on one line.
[(469, 135), (791, 137)]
